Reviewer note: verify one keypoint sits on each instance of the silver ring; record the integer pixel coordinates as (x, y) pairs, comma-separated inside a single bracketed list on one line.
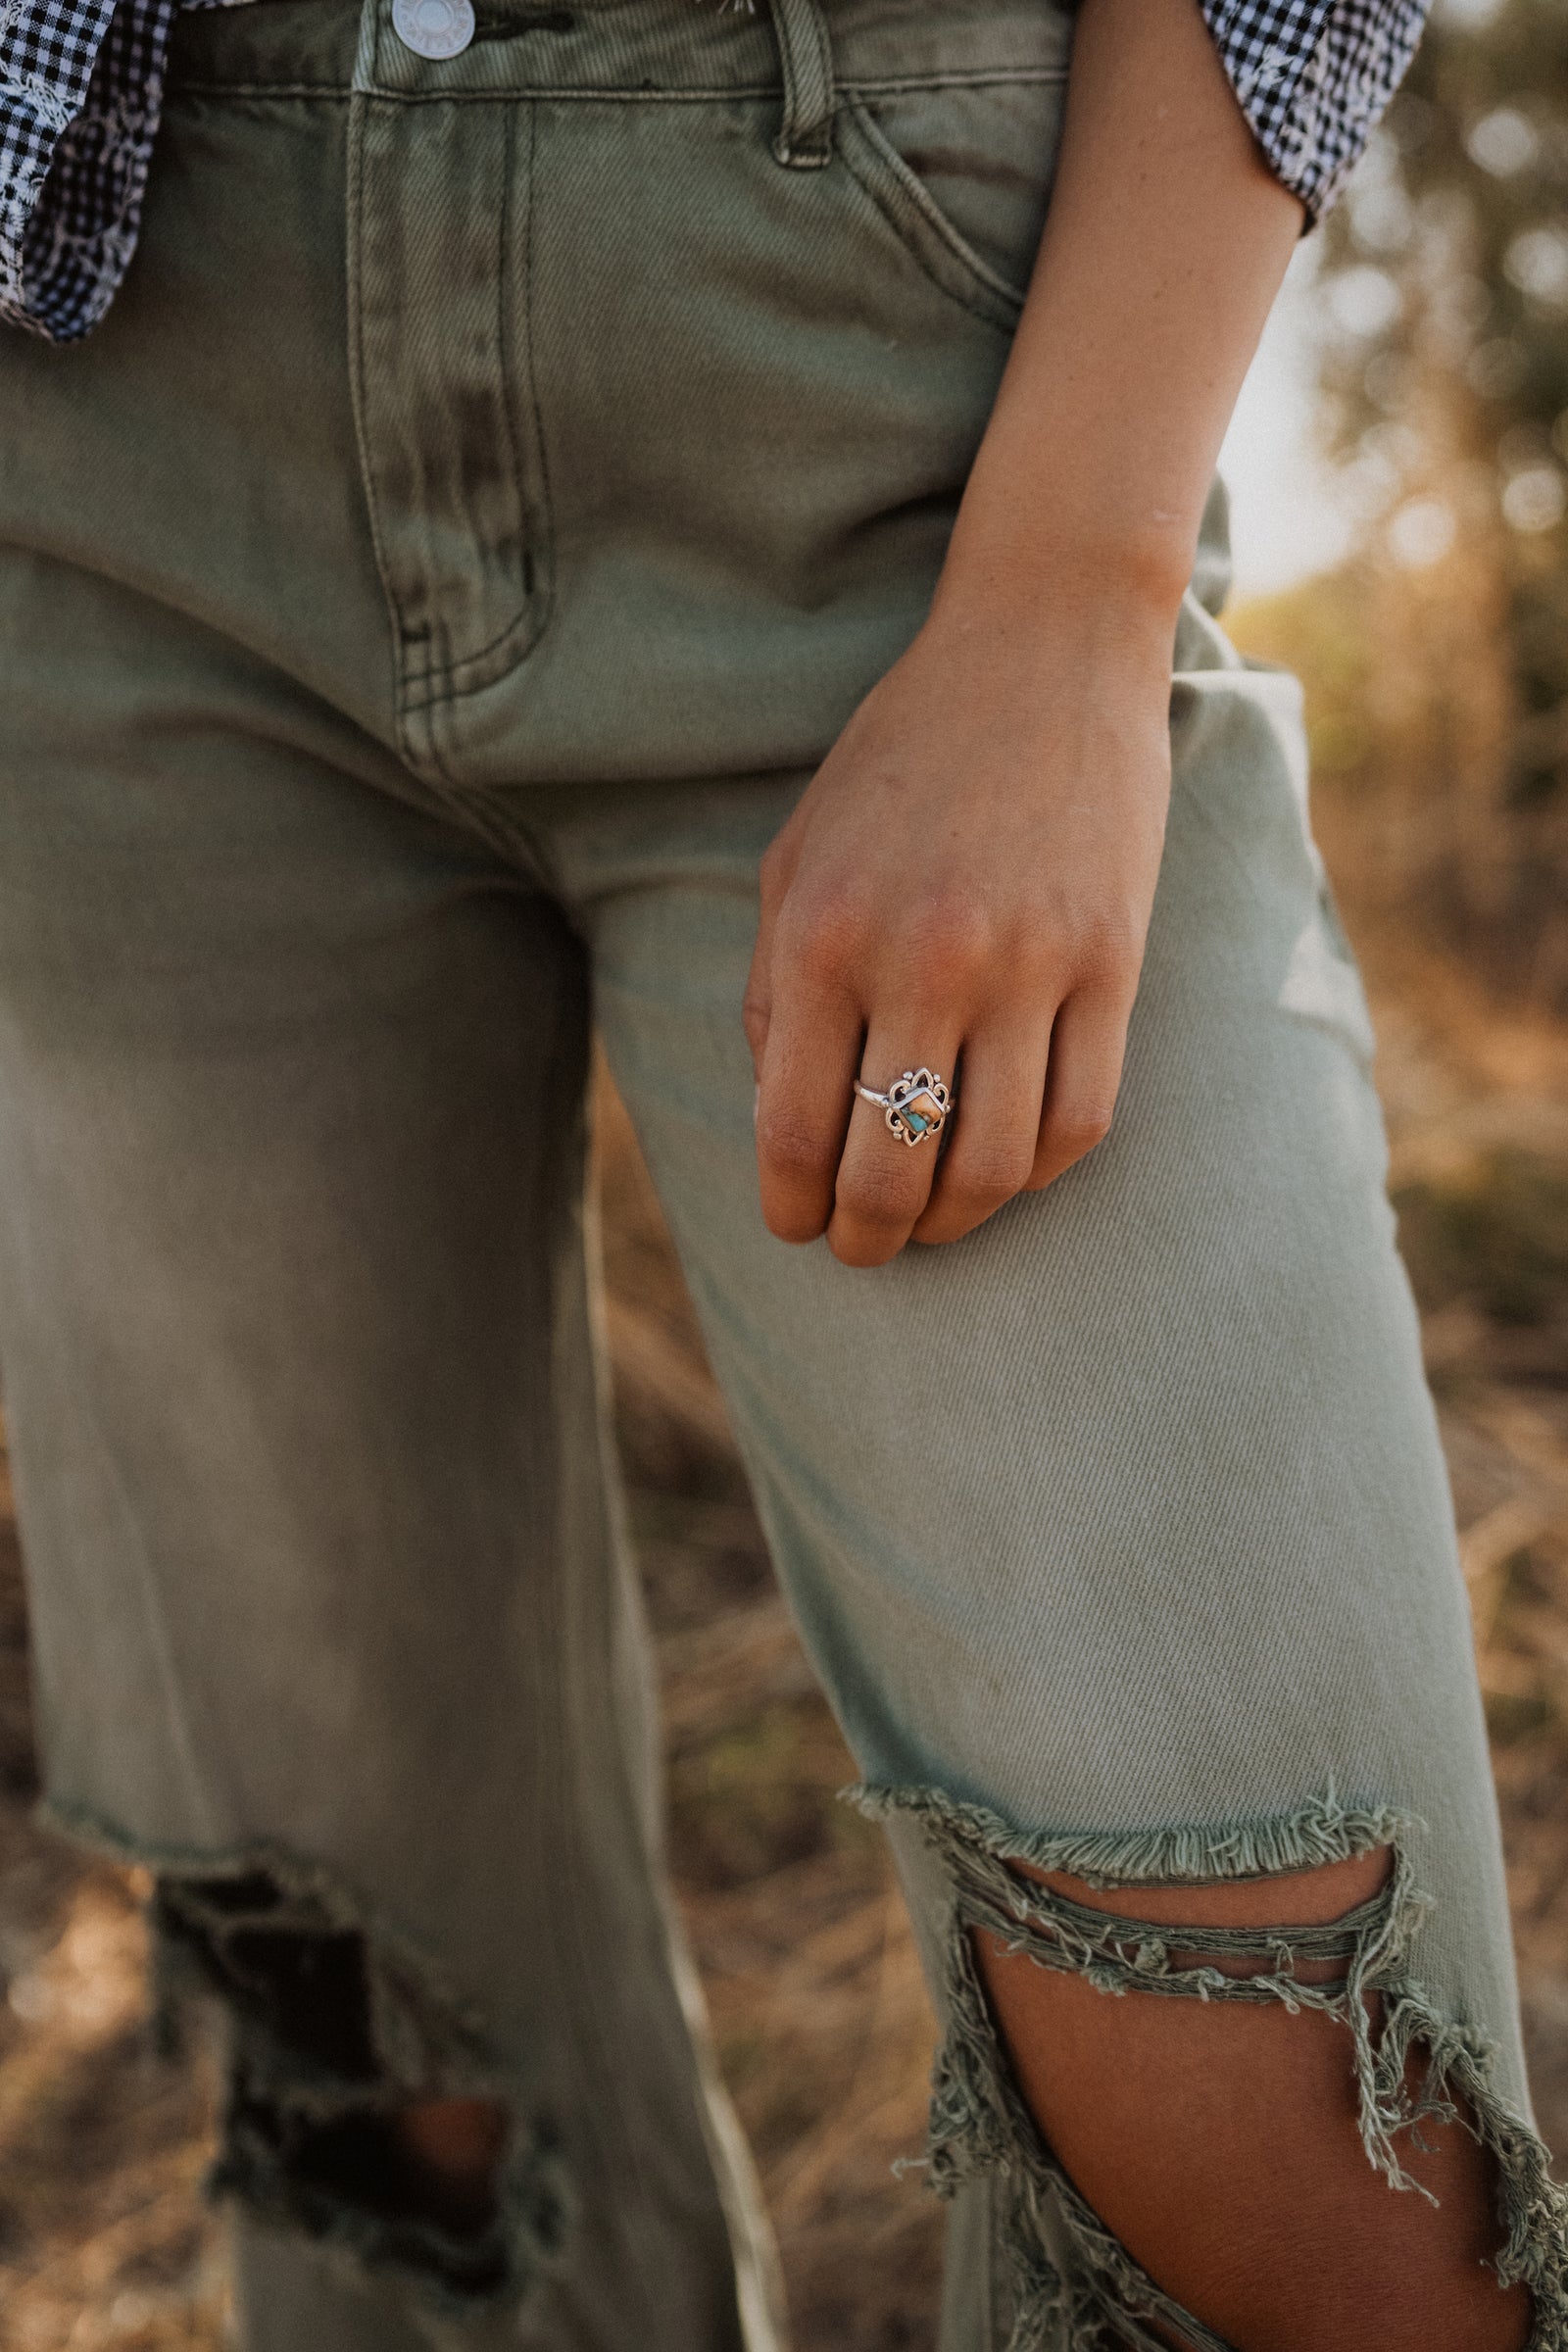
[(916, 1105)]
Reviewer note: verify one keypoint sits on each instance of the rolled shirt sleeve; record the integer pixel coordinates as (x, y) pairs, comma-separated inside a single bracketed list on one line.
[(1312, 78), (80, 88)]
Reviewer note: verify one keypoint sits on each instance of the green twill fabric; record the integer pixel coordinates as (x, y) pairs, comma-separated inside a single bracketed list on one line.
[(81, 87), (419, 606)]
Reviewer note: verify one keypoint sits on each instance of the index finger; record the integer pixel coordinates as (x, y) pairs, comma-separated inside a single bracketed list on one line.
[(803, 1094)]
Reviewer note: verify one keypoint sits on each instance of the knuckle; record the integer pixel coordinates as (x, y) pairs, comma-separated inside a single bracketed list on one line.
[(875, 1196), (789, 1148), (829, 932), (1079, 1130), (985, 1179), (957, 940), (1110, 955), (1037, 968)]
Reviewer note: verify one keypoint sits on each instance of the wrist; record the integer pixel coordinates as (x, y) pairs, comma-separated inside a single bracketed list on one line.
[(1098, 604), (1031, 568)]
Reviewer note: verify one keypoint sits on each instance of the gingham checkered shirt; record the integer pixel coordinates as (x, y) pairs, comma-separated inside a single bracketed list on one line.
[(81, 82)]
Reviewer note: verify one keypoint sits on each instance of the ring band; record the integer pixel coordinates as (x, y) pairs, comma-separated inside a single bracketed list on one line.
[(916, 1105)]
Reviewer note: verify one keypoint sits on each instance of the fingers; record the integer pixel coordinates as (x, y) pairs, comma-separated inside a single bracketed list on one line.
[(804, 1089), (1025, 1116), (805, 1049), (1037, 1095), (1032, 1103), (995, 1128), (883, 1183), (1088, 1046)]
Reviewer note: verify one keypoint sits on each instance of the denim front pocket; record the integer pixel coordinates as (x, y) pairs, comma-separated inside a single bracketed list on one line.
[(962, 172)]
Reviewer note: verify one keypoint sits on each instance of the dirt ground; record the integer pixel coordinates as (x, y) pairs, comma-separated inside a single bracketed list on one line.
[(815, 1993)]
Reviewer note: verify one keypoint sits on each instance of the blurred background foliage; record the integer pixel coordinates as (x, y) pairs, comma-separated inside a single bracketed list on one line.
[(1437, 658)]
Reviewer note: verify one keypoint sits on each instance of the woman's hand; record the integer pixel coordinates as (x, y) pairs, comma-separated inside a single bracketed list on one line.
[(969, 876), (967, 884)]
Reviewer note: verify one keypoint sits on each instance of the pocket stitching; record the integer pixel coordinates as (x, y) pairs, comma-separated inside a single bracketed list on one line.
[(992, 291)]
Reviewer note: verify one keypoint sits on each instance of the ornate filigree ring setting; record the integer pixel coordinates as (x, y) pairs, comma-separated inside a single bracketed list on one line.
[(915, 1107)]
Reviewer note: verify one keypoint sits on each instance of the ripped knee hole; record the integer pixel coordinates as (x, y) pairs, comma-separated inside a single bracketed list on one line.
[(364, 2106), (1195, 1913)]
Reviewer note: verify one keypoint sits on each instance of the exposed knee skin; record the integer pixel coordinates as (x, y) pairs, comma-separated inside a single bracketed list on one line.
[(457, 2143), (1219, 2142)]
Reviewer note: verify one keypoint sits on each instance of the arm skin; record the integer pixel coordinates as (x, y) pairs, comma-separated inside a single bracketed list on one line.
[(1006, 784)]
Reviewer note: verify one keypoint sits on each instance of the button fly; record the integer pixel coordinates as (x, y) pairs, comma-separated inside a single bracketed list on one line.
[(434, 27)]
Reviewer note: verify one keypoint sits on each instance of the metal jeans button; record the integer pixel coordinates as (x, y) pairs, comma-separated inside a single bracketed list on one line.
[(434, 27)]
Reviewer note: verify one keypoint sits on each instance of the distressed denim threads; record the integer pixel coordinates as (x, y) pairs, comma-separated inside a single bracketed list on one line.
[(421, 603)]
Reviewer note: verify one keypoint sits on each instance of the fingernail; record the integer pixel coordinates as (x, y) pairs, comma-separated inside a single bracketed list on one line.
[(757, 1103)]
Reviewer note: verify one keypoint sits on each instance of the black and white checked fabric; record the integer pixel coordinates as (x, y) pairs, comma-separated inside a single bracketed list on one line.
[(1313, 76), (82, 84)]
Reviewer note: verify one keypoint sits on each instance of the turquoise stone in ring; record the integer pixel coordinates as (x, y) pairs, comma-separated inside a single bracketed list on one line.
[(916, 1106)]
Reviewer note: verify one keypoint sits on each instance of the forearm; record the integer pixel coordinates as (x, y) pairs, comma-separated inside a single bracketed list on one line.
[(1002, 791), (1165, 247)]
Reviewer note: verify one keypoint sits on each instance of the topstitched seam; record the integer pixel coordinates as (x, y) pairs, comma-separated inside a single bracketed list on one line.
[(698, 94)]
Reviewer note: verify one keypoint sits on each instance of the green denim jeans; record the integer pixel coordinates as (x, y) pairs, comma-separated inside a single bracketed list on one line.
[(421, 603)]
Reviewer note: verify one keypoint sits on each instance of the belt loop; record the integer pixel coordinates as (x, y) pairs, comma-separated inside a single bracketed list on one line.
[(804, 140)]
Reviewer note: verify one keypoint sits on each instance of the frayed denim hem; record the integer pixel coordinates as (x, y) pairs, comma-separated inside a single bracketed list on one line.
[(979, 2122)]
